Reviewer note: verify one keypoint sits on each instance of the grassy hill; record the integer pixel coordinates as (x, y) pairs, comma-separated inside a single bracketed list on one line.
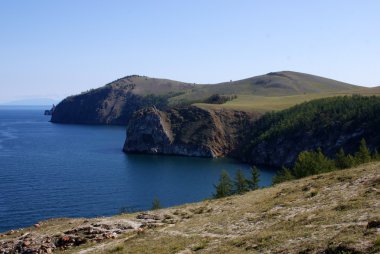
[(274, 84), (336, 212), (142, 85), (115, 102)]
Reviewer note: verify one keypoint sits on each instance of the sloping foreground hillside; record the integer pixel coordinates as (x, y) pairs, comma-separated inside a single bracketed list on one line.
[(338, 212)]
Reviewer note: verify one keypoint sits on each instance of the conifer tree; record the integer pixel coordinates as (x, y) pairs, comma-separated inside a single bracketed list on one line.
[(375, 155), (343, 161), (156, 204), (224, 186), (255, 178), (241, 184), (311, 163), (362, 155), (282, 176)]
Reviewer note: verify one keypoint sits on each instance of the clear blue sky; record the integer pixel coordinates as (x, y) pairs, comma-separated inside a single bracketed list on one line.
[(57, 48)]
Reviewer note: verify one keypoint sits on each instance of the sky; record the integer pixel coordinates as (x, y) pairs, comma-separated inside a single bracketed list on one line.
[(52, 49)]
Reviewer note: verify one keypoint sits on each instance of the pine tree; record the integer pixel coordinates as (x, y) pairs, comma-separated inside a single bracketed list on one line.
[(362, 155), (224, 187), (311, 163), (282, 176), (253, 183), (375, 155), (343, 161), (156, 204), (241, 183)]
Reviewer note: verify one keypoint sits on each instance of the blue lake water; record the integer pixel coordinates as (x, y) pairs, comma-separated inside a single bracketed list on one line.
[(53, 170)]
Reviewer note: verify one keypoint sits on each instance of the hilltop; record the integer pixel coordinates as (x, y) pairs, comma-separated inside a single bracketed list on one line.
[(115, 102), (336, 212)]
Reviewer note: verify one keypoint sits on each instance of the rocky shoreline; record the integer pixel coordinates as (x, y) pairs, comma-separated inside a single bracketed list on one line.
[(88, 231)]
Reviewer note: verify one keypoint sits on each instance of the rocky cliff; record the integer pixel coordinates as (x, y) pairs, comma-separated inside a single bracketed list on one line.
[(189, 131)]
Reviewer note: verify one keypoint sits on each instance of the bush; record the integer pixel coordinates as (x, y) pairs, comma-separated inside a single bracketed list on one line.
[(219, 99), (156, 204)]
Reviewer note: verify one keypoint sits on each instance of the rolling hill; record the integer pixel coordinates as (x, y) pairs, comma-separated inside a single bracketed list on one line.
[(115, 102)]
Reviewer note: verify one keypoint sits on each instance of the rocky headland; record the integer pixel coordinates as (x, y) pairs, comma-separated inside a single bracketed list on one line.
[(189, 131)]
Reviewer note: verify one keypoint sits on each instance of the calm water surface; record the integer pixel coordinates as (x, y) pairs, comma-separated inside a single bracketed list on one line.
[(54, 170)]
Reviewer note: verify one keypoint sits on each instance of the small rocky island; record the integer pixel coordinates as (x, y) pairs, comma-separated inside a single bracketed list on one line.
[(49, 112)]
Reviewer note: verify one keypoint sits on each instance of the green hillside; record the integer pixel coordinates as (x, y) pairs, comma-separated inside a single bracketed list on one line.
[(115, 102), (277, 138), (272, 84)]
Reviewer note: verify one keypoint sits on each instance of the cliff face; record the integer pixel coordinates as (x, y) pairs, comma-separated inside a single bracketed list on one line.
[(189, 131)]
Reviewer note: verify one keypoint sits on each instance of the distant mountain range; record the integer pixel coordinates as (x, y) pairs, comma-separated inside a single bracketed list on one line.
[(32, 102)]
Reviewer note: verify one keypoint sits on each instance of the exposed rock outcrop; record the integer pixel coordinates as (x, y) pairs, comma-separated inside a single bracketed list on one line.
[(189, 131)]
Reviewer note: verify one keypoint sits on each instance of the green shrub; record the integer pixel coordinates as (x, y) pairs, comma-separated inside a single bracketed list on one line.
[(156, 204)]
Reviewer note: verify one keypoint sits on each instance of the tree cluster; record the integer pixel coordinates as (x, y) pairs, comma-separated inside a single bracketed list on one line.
[(317, 118), (315, 162), (227, 187), (219, 99)]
